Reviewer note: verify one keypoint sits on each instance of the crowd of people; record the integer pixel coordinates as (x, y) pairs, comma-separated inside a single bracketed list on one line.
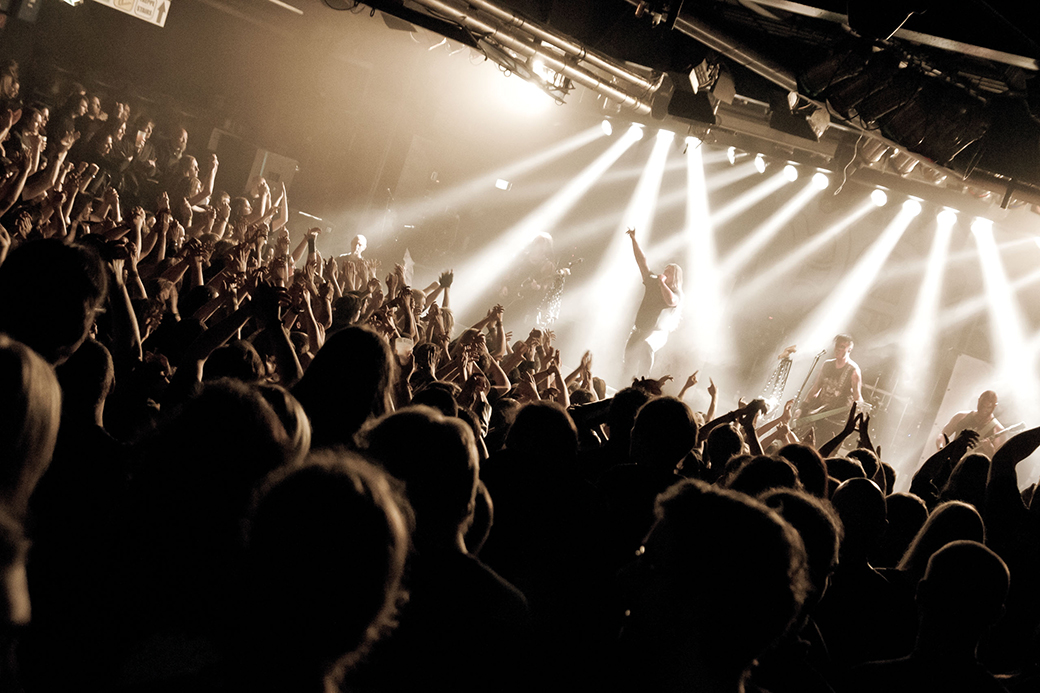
[(228, 463)]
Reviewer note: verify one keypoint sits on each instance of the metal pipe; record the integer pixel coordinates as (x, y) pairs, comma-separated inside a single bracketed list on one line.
[(564, 43), (505, 38)]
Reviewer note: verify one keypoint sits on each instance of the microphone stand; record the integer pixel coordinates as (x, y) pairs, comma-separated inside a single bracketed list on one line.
[(798, 399)]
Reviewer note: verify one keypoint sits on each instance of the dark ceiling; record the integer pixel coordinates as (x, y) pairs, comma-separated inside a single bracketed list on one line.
[(956, 86)]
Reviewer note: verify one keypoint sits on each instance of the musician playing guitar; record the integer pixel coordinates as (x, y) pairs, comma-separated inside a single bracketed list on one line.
[(837, 386), (981, 421)]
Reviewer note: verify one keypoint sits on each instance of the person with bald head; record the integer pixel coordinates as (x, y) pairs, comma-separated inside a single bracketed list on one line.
[(980, 420)]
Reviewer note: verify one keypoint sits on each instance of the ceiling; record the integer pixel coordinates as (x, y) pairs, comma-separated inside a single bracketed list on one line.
[(937, 103)]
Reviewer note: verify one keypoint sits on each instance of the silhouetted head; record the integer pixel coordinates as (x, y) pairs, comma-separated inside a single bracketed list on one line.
[(436, 459), (348, 381), (963, 590), (29, 426), (906, 515), (810, 466), (761, 473), (543, 434), (59, 289), (663, 433), (326, 556), (622, 414), (723, 444), (948, 522), (237, 359), (819, 527), (720, 578), (861, 506)]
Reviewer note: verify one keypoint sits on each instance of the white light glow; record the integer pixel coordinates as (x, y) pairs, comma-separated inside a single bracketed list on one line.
[(479, 275), (731, 155), (791, 173), (947, 217), (912, 207), (503, 184), (760, 163), (757, 240), (842, 302), (879, 197), (981, 225), (820, 181)]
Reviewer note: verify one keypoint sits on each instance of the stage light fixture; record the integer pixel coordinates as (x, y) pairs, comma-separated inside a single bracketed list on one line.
[(731, 155), (820, 180), (760, 163), (665, 135), (903, 163), (606, 127), (794, 115), (790, 173), (912, 207), (503, 184), (636, 131), (880, 197), (947, 217)]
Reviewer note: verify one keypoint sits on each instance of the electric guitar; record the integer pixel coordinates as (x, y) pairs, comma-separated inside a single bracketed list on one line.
[(821, 413)]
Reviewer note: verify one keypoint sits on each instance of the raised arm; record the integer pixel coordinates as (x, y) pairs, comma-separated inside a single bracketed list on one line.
[(644, 269)]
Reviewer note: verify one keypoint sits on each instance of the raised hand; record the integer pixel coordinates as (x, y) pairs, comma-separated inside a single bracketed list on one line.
[(691, 381), (446, 278)]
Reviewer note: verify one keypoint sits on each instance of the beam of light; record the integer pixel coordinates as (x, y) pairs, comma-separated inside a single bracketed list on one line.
[(465, 192), (914, 267), (640, 212), (729, 175), (701, 327), (1014, 370), (577, 234), (524, 97), (963, 311), (752, 290), (609, 298), (748, 200), (495, 259), (757, 239), (833, 314), (917, 346)]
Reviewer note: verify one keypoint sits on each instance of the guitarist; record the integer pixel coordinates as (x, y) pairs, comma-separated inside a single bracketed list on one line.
[(981, 421), (837, 386)]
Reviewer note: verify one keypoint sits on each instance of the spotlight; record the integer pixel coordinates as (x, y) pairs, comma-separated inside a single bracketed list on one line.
[(503, 184), (665, 135), (636, 132), (692, 141), (731, 155), (902, 163), (607, 128), (820, 180), (912, 207), (760, 163), (981, 225), (947, 217), (879, 197), (790, 173)]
